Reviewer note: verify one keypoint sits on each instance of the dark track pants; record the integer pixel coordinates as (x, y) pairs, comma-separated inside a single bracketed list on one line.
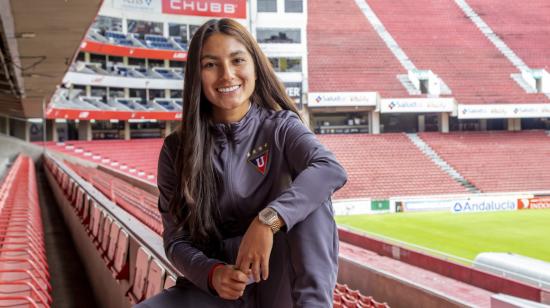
[(302, 271)]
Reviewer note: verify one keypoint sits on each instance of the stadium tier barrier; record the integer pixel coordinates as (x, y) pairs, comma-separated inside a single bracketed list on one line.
[(24, 274), (472, 276), (117, 230)]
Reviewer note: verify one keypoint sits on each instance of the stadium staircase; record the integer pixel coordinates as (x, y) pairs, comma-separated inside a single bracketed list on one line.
[(436, 159), (499, 44)]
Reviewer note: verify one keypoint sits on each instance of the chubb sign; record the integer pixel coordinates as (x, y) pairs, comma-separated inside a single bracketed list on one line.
[(211, 8)]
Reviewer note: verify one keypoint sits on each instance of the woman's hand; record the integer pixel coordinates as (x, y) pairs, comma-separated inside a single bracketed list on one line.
[(229, 282), (255, 249)]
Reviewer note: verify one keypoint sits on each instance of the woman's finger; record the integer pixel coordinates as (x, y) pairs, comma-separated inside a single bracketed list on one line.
[(239, 276), (256, 271), (265, 268)]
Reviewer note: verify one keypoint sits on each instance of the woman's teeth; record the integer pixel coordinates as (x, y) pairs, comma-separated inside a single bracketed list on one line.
[(229, 89)]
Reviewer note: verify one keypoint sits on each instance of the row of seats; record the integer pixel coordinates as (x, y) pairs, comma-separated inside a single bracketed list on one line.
[(497, 161), (112, 240), (344, 297), (24, 274), (139, 203), (148, 41), (137, 157)]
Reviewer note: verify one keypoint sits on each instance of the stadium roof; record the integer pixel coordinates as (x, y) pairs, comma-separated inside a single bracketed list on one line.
[(38, 40)]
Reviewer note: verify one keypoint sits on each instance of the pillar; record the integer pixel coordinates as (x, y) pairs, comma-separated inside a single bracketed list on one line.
[(511, 124), (51, 131), (518, 124), (374, 122), (5, 125), (85, 130), (27, 131), (421, 123), (483, 124), (444, 122), (126, 130)]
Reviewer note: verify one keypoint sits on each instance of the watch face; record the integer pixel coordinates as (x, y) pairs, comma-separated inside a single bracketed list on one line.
[(268, 216)]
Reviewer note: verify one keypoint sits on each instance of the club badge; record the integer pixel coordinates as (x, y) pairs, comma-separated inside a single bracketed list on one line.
[(259, 157)]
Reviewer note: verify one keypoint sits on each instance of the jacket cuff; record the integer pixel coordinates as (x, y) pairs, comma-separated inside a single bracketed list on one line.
[(289, 223), (211, 275)]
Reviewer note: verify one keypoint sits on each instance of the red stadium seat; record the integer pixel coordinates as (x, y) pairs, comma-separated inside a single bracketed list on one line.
[(120, 266), (155, 279), (106, 234), (169, 282), (139, 285), (113, 239)]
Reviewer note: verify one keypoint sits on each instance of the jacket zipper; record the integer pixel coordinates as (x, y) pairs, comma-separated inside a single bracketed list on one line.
[(229, 184)]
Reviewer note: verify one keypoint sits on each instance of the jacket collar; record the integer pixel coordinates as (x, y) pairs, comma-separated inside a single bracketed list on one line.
[(236, 131)]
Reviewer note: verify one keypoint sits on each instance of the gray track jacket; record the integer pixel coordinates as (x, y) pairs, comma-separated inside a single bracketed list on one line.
[(269, 158)]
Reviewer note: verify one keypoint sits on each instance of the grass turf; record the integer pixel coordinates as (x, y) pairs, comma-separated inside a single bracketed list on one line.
[(525, 232)]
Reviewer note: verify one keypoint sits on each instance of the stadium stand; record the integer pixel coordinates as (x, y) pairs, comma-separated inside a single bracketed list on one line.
[(519, 26), (366, 157), (346, 53), (497, 161), (475, 71), (386, 165), (24, 275)]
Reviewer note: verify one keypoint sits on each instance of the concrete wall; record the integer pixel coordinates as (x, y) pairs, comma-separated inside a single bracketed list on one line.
[(384, 287)]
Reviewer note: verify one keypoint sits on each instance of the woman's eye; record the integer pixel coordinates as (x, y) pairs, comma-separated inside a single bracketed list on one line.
[(239, 60), (208, 65)]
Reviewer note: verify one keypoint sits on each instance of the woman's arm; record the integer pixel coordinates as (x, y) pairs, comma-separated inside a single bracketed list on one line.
[(190, 261), (316, 173)]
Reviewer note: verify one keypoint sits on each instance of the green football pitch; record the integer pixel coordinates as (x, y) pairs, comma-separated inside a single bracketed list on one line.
[(464, 235)]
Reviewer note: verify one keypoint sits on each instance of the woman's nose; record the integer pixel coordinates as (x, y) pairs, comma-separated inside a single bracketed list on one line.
[(228, 72)]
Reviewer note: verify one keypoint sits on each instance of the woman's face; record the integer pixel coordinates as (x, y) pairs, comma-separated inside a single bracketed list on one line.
[(228, 77)]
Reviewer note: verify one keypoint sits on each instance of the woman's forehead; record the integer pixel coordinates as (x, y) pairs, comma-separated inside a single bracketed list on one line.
[(222, 45)]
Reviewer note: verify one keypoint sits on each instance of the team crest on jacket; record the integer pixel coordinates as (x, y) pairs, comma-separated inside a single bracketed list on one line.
[(259, 157)]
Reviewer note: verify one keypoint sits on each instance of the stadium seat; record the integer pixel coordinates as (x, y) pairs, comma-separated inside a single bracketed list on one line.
[(106, 234), (94, 220), (137, 291), (113, 240), (120, 267), (169, 282), (155, 279)]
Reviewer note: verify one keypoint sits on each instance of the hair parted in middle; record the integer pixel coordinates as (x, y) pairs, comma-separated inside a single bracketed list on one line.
[(198, 182)]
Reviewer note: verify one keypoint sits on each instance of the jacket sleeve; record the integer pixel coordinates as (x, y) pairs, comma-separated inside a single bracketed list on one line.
[(190, 261), (316, 173)]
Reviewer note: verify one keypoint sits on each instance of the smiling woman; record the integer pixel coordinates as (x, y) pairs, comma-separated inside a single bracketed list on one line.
[(228, 77), (241, 168)]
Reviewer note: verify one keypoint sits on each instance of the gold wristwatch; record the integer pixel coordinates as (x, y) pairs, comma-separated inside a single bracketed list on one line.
[(269, 216)]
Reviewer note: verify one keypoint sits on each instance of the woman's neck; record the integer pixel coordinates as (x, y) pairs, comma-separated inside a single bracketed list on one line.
[(231, 116)]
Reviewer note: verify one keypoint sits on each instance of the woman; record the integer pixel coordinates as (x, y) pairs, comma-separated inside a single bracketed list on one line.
[(244, 186)]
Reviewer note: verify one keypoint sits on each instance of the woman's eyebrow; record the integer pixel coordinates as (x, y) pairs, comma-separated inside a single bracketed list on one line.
[(233, 54)]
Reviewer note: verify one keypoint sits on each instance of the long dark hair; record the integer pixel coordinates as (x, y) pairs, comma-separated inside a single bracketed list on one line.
[(198, 182)]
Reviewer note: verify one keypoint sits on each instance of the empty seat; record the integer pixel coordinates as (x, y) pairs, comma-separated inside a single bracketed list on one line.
[(170, 281), (106, 234), (120, 266), (113, 241), (155, 279), (139, 285)]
